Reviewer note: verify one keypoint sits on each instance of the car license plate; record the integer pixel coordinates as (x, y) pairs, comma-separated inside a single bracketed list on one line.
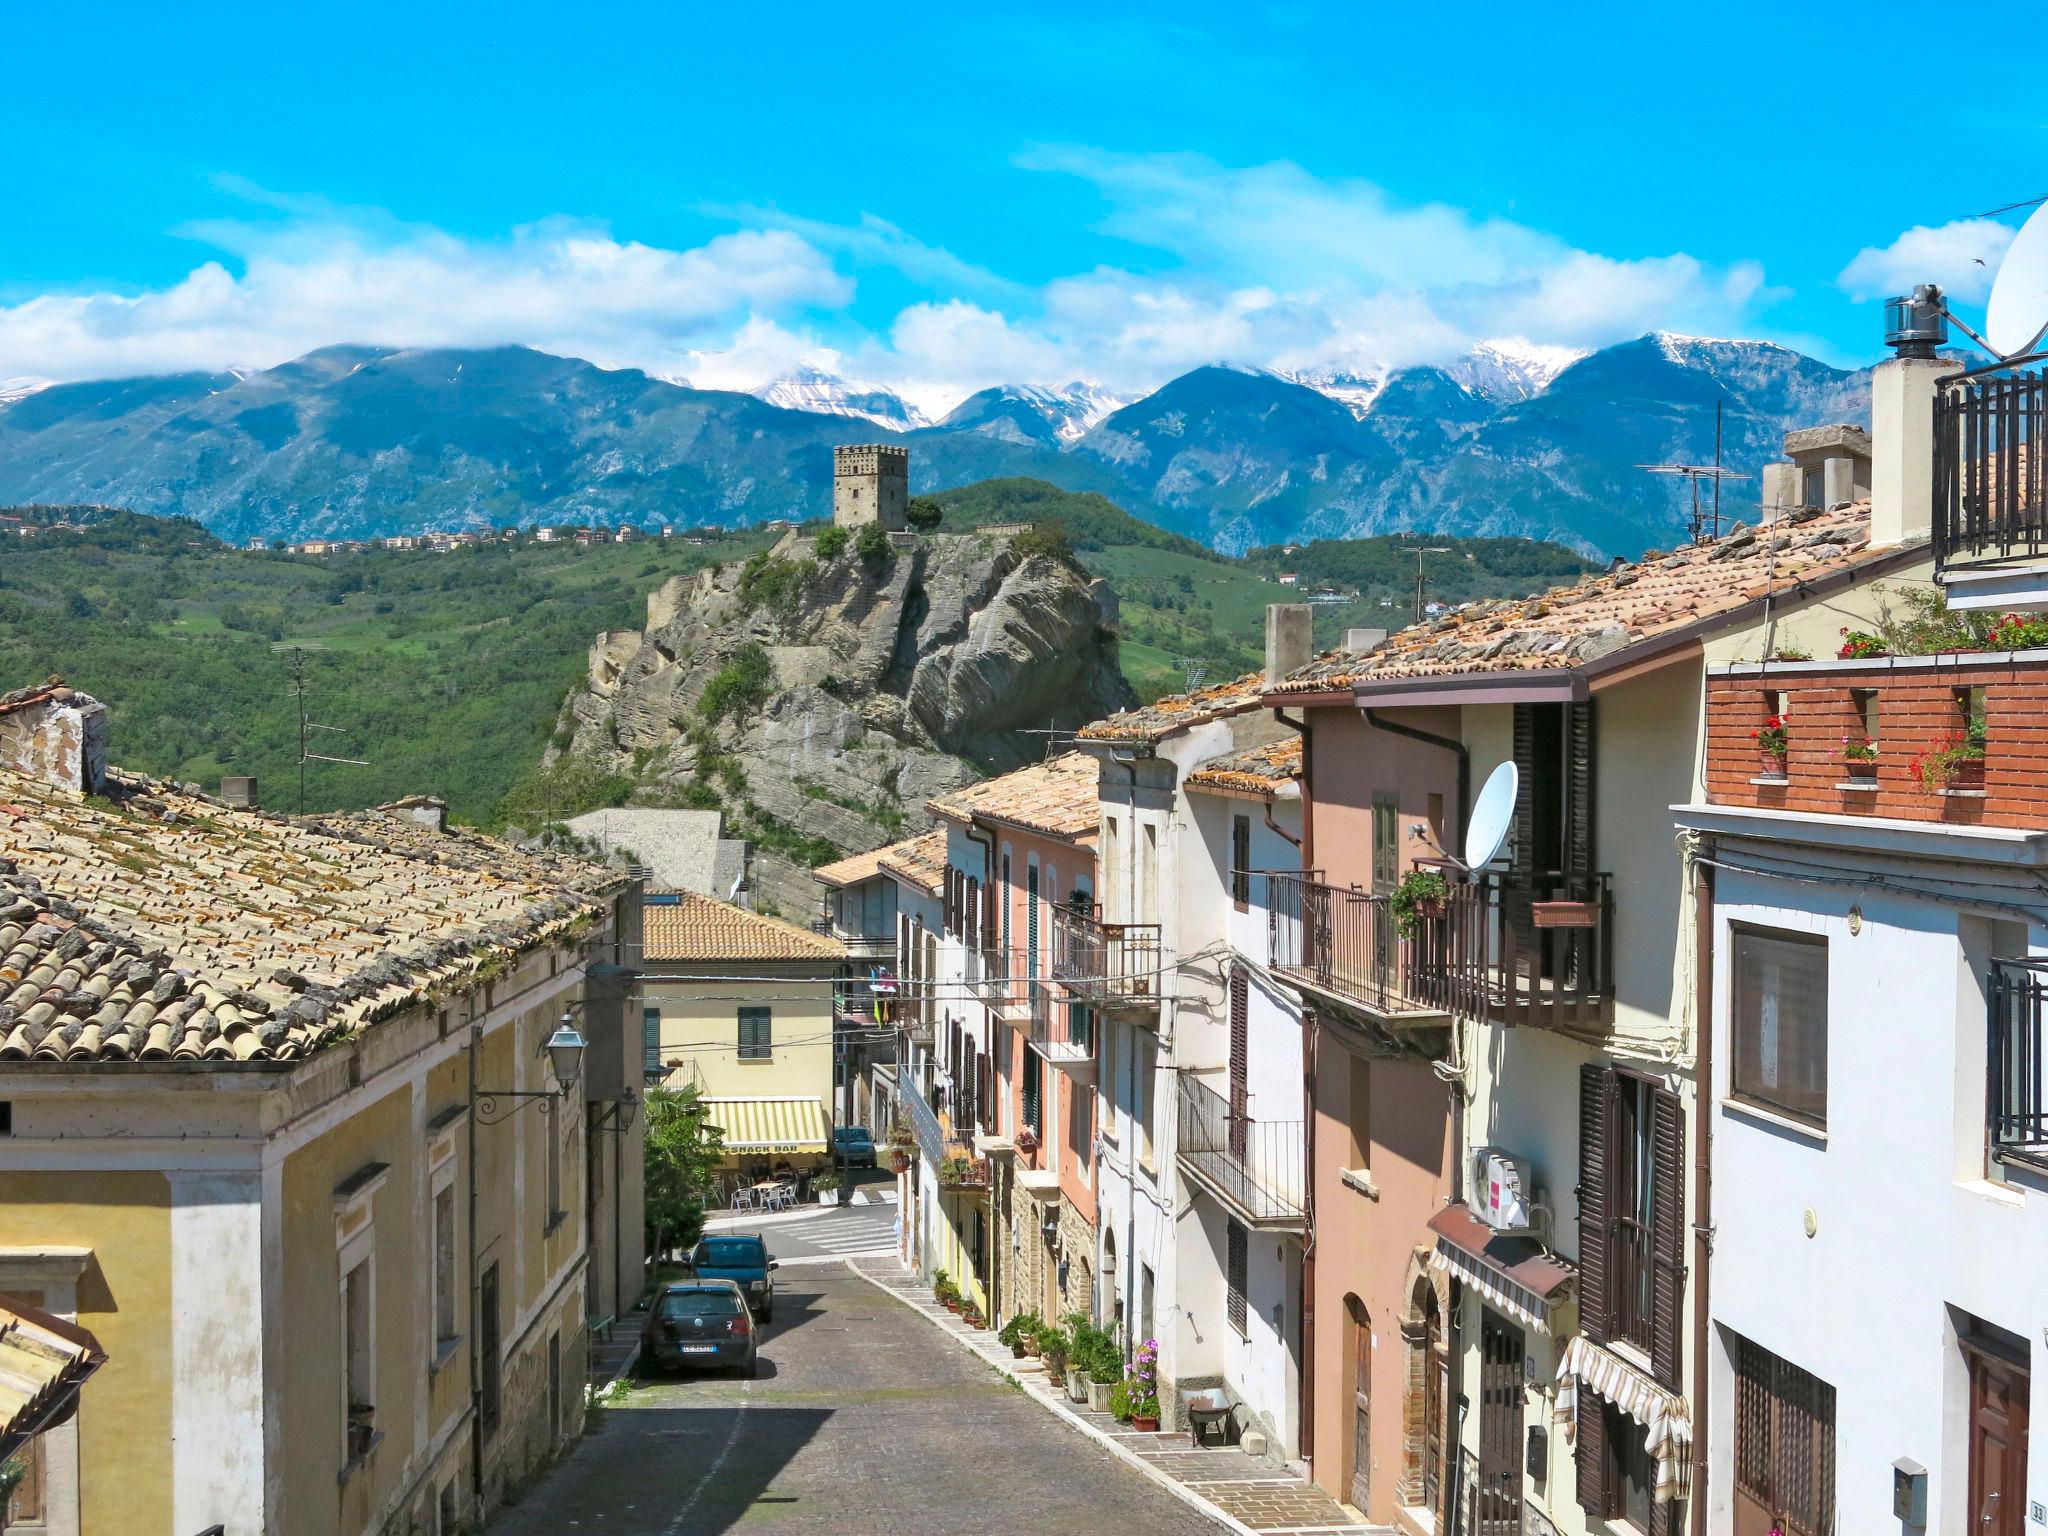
[(700, 1349)]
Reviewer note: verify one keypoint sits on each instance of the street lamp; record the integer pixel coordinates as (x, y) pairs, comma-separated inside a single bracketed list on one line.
[(565, 1052), (565, 1055)]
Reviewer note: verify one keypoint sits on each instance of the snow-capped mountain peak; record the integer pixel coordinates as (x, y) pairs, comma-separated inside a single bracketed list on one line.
[(1508, 368), (21, 388), (811, 388)]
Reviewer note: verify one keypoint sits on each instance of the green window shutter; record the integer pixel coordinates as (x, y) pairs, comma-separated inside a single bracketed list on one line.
[(650, 1036)]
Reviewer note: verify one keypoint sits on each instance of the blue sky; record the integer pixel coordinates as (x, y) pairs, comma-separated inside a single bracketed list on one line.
[(941, 197)]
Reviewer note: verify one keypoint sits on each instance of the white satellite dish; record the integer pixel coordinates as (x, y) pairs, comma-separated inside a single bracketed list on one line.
[(2018, 312), (1493, 813)]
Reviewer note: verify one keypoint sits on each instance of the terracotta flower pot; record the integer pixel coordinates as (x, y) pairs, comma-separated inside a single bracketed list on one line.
[(1771, 764), (1016, 1351), (1145, 1424), (1863, 771), (1968, 774)]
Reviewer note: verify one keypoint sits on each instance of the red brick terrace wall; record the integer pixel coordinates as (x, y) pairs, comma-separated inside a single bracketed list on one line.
[(1915, 708)]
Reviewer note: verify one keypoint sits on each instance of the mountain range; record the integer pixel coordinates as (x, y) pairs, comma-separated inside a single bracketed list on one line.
[(357, 441)]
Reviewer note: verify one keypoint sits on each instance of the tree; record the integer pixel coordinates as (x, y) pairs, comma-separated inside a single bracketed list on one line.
[(683, 1150), (830, 543), (872, 545), (924, 513)]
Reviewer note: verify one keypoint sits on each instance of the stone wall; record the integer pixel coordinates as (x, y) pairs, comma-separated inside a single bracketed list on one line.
[(59, 736), (870, 483)]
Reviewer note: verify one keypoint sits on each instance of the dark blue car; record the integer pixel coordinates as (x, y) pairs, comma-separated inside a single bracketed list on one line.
[(741, 1259), (699, 1325), (853, 1146)]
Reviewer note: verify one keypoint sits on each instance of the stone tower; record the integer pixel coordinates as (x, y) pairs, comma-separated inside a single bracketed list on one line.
[(870, 483)]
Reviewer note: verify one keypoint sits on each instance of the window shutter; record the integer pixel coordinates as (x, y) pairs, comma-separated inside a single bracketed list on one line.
[(985, 1092), (991, 932), (1578, 834), (1591, 1453), (1524, 852), (1596, 1119), (1240, 1061), (1667, 1240)]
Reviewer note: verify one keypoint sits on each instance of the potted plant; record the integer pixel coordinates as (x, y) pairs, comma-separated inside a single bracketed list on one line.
[(1859, 756), (2018, 632), (1773, 743), (1120, 1401), (1053, 1348), (1018, 1333), (1141, 1387), (970, 1314), (944, 1291), (1954, 761), (1421, 893), (1861, 645), (1105, 1372), (1791, 653)]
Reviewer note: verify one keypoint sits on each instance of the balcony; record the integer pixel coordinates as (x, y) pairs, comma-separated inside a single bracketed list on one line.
[(1515, 948), (1341, 943), (1991, 487), (1062, 1030), (1255, 1167), (859, 945), (1107, 965), (926, 1127), (2017, 1083)]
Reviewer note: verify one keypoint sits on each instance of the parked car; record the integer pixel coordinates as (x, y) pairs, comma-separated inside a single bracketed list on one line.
[(742, 1259), (853, 1146), (700, 1325)]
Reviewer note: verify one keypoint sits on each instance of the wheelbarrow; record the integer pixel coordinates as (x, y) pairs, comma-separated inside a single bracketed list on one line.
[(1209, 1406)]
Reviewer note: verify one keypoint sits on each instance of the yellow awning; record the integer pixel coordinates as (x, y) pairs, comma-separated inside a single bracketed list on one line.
[(43, 1361), (771, 1124)]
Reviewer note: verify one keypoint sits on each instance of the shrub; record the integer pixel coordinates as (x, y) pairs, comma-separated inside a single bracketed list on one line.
[(769, 581), (739, 687), (1048, 538), (1418, 888), (924, 513), (830, 543), (872, 545)]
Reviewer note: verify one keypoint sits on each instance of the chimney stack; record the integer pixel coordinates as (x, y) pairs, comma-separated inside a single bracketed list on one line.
[(1361, 640), (240, 792), (55, 734), (1290, 638), (1902, 446)]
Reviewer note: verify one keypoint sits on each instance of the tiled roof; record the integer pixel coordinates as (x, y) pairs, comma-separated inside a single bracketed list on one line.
[(852, 870), (1574, 626), (21, 698), (921, 862), (158, 924), (1260, 770), (43, 1361), (1164, 717), (681, 925), (1059, 796)]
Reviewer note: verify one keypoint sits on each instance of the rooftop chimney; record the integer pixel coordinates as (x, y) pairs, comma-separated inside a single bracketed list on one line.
[(55, 734), (1290, 638), (1902, 417), (239, 790), (1363, 639)]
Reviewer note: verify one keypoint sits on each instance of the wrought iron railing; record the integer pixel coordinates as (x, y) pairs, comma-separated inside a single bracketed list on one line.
[(1110, 964), (1990, 479), (1062, 1029), (1518, 949), (924, 1125), (1341, 938), (1256, 1165), (2017, 1083)]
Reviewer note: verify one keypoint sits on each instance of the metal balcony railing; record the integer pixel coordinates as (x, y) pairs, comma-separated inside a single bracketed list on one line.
[(2017, 1084), (1342, 939), (924, 1125), (1112, 965), (1519, 949), (1256, 1166), (1990, 477), (1062, 1028)]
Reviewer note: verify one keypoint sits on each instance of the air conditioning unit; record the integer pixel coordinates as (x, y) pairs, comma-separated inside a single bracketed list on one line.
[(1503, 1190)]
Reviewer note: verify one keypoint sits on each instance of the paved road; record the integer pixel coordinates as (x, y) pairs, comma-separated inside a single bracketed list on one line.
[(835, 1232), (863, 1420)]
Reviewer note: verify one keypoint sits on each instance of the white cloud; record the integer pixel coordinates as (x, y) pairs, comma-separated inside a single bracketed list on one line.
[(1962, 256)]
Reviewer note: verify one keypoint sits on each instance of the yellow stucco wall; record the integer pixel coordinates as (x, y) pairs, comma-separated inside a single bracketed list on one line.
[(700, 1030), (124, 1298)]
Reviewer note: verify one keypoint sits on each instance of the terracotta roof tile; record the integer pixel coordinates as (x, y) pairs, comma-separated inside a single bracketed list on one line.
[(681, 925), (1573, 626), (921, 861), (851, 870), (1059, 796), (157, 924), (1164, 717), (1261, 770)]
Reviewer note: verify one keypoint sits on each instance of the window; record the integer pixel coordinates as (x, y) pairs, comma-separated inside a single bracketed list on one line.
[(1080, 1026), (359, 1360), (487, 1343), (446, 1328), (1034, 1093), (756, 1034), (1080, 1114), (1780, 1023), (1631, 1197), (1241, 861), (1784, 1443), (1142, 1095), (650, 1040), (552, 1131), (1237, 1242), (1864, 702), (1632, 1474), (1148, 874)]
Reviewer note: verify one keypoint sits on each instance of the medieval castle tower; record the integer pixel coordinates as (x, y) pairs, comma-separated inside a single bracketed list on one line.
[(870, 483)]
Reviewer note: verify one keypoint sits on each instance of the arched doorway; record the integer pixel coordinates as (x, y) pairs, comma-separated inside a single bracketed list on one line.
[(1359, 1326)]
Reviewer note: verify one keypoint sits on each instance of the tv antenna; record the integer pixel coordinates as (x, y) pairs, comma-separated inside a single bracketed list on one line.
[(1192, 670), (1706, 519), (298, 650), (1426, 549)]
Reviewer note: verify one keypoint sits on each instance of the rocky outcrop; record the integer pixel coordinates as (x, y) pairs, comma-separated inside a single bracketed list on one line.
[(884, 685)]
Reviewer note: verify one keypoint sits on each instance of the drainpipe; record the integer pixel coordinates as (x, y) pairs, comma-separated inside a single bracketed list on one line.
[(1131, 1265), (1311, 1035), (986, 842), (1703, 1183), (476, 1380), (1380, 722)]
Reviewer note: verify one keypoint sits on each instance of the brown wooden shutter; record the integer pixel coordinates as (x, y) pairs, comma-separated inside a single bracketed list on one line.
[(1578, 806), (991, 932), (1667, 1237), (953, 1051), (1523, 858), (967, 1071), (987, 1094), (1240, 1061), (1596, 1122), (1590, 1453)]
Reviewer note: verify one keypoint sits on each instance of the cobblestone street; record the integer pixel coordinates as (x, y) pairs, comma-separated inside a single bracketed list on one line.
[(862, 1420)]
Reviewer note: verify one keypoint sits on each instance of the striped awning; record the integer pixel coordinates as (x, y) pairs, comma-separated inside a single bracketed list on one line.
[(1665, 1416), (43, 1362), (1512, 1273), (792, 1124)]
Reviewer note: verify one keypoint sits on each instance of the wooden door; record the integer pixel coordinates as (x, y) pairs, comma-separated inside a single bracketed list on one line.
[(1386, 874), (1361, 1404), (1500, 1427), (1998, 1446)]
